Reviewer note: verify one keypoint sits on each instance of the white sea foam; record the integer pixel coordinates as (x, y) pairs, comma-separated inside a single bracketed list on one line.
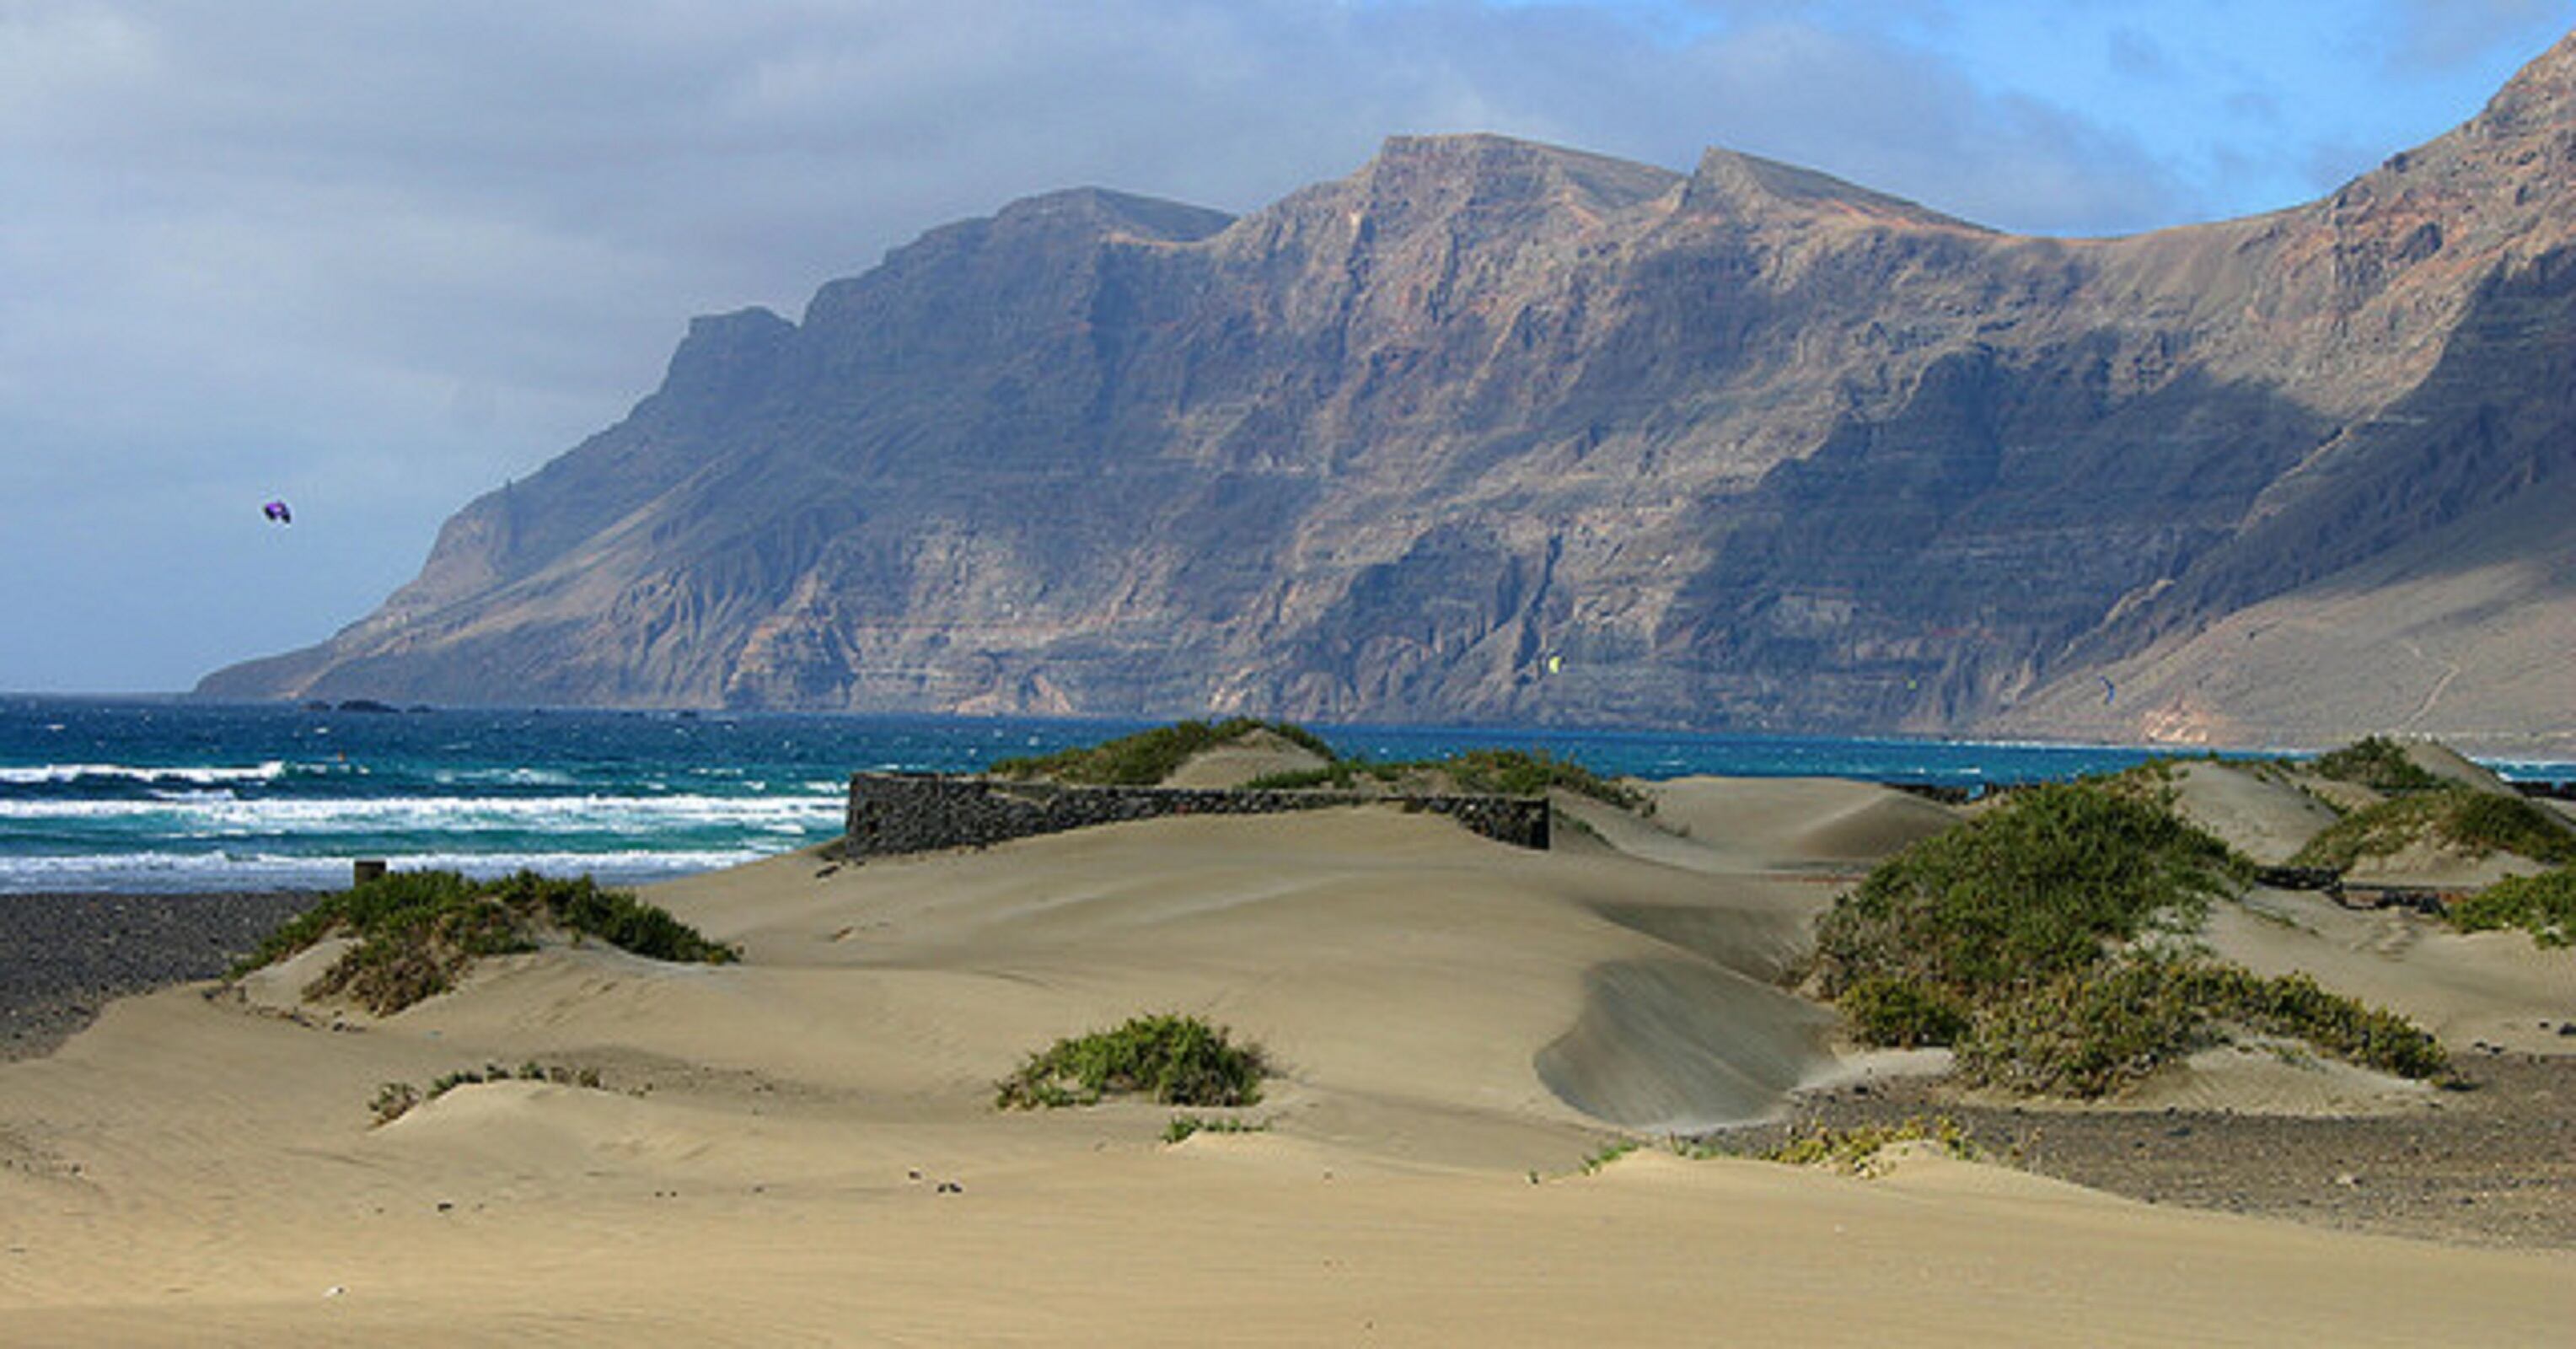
[(174, 871), (220, 813), (73, 772)]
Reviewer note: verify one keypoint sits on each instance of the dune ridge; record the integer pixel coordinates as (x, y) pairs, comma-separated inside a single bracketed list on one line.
[(804, 1147)]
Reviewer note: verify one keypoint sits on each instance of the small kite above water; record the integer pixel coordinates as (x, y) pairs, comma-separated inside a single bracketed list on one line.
[(2108, 691), (277, 511)]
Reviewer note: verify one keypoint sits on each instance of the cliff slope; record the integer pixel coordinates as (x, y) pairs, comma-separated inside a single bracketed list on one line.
[(1493, 430)]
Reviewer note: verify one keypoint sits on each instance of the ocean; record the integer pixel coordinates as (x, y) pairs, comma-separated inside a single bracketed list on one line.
[(164, 795)]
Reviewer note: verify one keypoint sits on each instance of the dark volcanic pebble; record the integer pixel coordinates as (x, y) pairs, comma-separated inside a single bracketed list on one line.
[(2494, 1166), (63, 957)]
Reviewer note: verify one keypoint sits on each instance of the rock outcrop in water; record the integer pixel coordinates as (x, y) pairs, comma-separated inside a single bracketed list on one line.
[(1493, 430)]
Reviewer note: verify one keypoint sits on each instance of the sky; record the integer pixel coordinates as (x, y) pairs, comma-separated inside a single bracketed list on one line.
[(378, 258)]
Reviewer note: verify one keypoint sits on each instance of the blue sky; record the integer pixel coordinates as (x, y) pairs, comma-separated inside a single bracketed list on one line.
[(378, 257)]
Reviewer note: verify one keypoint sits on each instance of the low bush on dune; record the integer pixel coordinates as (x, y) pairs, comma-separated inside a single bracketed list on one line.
[(1898, 1012), (417, 932), (1856, 1150), (2462, 819), (2037, 887), (1174, 1060), (1148, 757), (1184, 1127), (2043, 943), (2542, 905), (1492, 772), (393, 1100), (2088, 1034), (1514, 772), (2378, 763)]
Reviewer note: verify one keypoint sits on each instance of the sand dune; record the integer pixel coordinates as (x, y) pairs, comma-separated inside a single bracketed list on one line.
[(1770, 823), (2494, 987), (1256, 754), (2264, 819), (772, 1155)]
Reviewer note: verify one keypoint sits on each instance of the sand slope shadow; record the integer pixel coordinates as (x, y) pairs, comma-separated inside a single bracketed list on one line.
[(1682, 1046)]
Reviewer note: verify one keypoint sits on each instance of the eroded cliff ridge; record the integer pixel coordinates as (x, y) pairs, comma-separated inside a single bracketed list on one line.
[(1491, 430)]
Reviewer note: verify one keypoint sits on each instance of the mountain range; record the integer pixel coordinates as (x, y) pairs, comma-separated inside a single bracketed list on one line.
[(1491, 431)]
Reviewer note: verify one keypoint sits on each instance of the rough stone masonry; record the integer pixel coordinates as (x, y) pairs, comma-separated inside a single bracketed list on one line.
[(893, 813)]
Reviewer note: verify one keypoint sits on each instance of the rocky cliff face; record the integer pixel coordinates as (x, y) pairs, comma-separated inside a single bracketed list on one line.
[(1491, 430)]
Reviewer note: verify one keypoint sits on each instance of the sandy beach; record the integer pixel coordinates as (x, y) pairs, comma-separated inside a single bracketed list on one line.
[(804, 1148)]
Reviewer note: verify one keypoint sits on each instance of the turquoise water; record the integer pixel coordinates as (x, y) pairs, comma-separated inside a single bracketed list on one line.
[(143, 795)]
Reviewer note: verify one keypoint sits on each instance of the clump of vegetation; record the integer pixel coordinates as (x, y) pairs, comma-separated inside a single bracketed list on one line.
[(1492, 772), (1854, 1149), (393, 1100), (2039, 942), (2090, 1034), (2458, 817), (2040, 886), (2542, 905), (530, 1071), (1515, 772), (1182, 1126), (1176, 1060), (417, 932), (1148, 757), (1609, 1152), (1898, 1012), (2083, 1033), (2378, 763)]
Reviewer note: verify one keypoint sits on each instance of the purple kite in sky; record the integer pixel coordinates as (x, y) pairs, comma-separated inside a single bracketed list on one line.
[(276, 510)]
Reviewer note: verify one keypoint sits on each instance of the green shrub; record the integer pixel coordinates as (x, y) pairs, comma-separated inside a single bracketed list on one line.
[(1176, 1060), (2088, 1034), (1182, 1126), (2542, 905), (1854, 1149), (1901, 1013), (393, 1100), (2026, 940), (2459, 817), (2040, 886), (2296, 1005), (2486, 822), (418, 931), (1495, 772), (1609, 1152), (614, 916), (1148, 757), (2378, 763), (1517, 772), (2084, 1033)]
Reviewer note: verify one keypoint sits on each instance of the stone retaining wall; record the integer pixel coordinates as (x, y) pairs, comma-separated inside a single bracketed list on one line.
[(892, 813)]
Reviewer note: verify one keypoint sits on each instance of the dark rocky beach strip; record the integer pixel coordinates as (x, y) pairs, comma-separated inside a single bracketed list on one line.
[(2493, 1165), (65, 956)]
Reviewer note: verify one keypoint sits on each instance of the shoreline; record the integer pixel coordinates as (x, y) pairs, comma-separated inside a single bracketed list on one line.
[(1475, 1052), (66, 955)]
